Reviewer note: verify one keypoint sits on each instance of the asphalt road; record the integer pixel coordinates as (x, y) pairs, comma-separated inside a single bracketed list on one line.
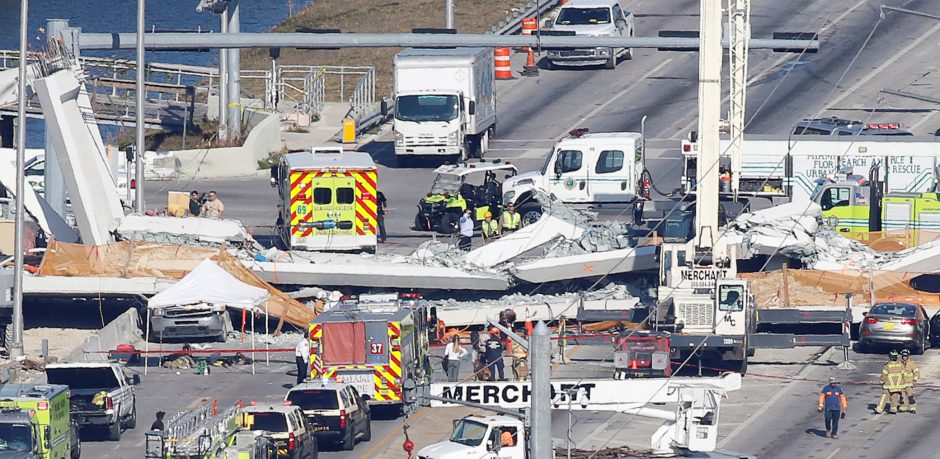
[(773, 416)]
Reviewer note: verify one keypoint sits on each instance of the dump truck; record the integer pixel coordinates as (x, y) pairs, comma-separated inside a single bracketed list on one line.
[(35, 422), (377, 344), (328, 200), (445, 102)]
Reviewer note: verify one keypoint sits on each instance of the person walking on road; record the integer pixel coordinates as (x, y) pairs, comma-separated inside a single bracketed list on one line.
[(213, 208), (494, 355), (302, 357), (466, 231), (910, 376), (832, 403), (892, 386), (382, 210), (453, 353)]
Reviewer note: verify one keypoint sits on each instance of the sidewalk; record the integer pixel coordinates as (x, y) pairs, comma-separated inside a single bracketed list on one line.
[(320, 132)]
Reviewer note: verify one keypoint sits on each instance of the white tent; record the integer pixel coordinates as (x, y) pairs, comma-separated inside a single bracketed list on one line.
[(209, 283)]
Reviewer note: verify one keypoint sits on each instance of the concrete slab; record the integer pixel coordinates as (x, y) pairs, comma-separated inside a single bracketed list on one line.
[(587, 265)]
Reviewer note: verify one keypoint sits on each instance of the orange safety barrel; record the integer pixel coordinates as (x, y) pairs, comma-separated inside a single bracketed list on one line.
[(529, 25), (503, 66)]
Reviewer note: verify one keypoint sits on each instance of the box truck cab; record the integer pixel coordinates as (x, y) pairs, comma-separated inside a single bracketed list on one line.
[(583, 168), (590, 18), (481, 437), (445, 102)]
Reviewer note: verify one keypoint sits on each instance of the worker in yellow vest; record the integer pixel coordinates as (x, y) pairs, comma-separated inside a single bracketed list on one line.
[(911, 375), (892, 386), (509, 220), (490, 226)]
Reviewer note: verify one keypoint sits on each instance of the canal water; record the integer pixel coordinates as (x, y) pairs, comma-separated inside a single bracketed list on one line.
[(120, 16)]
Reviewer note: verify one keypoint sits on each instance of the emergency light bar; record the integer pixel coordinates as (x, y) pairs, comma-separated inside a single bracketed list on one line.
[(884, 126)]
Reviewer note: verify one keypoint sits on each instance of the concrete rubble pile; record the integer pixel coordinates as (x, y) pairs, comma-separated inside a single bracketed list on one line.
[(793, 230)]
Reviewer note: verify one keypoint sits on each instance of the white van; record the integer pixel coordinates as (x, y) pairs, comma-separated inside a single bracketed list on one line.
[(583, 168)]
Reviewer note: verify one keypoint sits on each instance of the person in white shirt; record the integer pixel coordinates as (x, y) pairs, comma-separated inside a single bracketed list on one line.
[(302, 357), (453, 352), (466, 230)]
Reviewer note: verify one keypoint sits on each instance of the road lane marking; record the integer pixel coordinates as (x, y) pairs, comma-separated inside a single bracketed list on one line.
[(784, 391), (617, 96), (393, 433), (869, 75), (834, 453)]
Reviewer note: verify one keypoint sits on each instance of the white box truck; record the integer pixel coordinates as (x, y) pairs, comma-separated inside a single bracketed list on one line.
[(445, 102)]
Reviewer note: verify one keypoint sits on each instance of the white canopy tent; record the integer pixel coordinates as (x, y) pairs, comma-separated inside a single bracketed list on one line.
[(208, 283)]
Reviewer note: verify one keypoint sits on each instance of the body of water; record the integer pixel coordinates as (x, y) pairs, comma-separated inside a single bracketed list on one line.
[(121, 16)]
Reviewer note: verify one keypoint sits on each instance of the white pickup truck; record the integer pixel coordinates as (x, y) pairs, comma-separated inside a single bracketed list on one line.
[(481, 437), (101, 394), (590, 18)]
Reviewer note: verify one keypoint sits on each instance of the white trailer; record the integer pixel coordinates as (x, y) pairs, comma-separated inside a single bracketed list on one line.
[(445, 102), (787, 169)]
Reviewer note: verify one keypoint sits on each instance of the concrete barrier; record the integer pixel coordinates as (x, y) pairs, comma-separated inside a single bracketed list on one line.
[(208, 163), (124, 329)]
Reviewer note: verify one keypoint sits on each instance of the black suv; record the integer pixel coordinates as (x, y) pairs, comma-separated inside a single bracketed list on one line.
[(336, 411)]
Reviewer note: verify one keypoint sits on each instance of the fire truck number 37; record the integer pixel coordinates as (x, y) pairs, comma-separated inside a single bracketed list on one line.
[(377, 348)]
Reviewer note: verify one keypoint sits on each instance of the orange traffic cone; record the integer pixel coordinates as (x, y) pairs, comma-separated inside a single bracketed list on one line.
[(531, 67)]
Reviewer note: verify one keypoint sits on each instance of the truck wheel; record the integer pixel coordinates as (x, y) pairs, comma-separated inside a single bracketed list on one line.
[(367, 435), (611, 63), (422, 224), (531, 212), (484, 145), (349, 440), (132, 420), (449, 223), (114, 431), (918, 349)]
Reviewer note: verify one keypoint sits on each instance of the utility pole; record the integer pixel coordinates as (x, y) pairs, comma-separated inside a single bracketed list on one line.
[(448, 14), (234, 80), (739, 34), (540, 355), (709, 108), (141, 91), (16, 347)]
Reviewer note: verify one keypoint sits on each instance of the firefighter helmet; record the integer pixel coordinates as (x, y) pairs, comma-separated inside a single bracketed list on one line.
[(893, 355)]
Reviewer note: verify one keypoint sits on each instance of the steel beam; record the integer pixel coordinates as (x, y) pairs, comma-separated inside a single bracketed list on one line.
[(181, 41)]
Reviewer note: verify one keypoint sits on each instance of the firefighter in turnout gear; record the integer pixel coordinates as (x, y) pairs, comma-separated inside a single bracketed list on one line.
[(892, 385), (911, 375)]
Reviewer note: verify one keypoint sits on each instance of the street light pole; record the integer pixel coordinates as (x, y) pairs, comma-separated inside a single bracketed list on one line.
[(16, 347), (141, 92)]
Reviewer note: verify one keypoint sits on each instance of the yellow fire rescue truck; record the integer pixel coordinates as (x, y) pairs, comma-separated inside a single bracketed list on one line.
[(328, 200), (377, 343), (856, 205), (35, 422)]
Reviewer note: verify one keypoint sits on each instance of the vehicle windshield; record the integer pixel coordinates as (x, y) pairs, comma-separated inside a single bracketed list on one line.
[(445, 183), (16, 437), (314, 399), (273, 421), (426, 108), (819, 187), (470, 433), (582, 16), (83, 378), (894, 309), (548, 160)]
